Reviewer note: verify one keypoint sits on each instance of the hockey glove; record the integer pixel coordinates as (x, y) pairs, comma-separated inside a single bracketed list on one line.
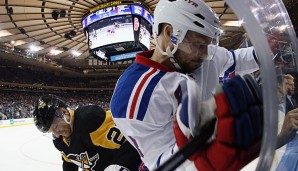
[(237, 105)]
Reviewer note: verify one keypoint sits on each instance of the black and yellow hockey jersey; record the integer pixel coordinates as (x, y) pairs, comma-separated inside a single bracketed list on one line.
[(95, 142)]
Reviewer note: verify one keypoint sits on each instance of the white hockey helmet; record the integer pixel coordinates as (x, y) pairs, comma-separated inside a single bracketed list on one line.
[(184, 15)]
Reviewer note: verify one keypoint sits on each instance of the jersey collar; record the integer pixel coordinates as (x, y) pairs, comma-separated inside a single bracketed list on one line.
[(144, 59), (72, 119)]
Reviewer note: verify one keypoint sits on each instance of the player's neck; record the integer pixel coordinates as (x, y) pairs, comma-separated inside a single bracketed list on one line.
[(164, 60)]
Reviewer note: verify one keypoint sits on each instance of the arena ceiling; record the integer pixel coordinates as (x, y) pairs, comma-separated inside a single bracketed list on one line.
[(28, 25)]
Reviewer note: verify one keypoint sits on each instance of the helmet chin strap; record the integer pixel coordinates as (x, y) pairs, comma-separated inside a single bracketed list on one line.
[(170, 54)]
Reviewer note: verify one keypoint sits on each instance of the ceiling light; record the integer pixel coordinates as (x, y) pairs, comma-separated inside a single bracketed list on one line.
[(76, 53), (55, 52), (283, 27), (4, 33), (233, 23), (33, 48)]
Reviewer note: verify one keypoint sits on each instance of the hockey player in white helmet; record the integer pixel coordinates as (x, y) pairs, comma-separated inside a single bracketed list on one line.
[(205, 22), (165, 97), (185, 17)]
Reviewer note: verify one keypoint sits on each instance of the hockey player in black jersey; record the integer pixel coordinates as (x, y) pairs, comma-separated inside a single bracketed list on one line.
[(86, 137)]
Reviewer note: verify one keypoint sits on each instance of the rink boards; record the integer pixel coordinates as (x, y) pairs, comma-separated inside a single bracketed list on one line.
[(15, 122)]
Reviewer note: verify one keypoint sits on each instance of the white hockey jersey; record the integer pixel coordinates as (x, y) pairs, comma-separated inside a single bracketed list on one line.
[(240, 62), (147, 95)]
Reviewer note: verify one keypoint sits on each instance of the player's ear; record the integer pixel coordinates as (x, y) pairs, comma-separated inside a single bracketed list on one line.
[(66, 116), (167, 30), (168, 34), (65, 111)]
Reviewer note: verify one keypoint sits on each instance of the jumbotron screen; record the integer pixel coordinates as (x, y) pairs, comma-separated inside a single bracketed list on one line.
[(110, 31), (114, 11), (118, 30), (144, 34)]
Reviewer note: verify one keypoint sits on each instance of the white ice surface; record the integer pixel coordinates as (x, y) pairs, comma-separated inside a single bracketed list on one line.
[(24, 148)]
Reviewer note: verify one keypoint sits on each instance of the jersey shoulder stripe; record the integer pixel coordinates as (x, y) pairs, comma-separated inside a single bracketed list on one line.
[(131, 97), (142, 109), (124, 88), (137, 90)]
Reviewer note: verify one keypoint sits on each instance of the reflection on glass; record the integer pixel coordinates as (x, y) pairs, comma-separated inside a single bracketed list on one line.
[(276, 24)]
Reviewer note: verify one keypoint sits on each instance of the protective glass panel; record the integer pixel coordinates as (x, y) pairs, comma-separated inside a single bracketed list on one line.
[(271, 33)]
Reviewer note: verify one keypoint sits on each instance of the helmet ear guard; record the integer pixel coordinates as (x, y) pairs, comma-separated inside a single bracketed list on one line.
[(46, 109)]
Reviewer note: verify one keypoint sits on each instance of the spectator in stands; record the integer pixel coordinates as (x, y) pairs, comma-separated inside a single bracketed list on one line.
[(282, 87), (14, 101), (287, 127), (2, 116), (291, 103)]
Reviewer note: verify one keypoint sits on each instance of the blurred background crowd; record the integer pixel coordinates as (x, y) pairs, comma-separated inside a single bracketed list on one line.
[(18, 104), (20, 87)]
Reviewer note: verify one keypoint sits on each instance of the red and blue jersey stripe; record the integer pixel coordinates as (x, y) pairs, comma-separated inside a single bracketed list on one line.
[(131, 97)]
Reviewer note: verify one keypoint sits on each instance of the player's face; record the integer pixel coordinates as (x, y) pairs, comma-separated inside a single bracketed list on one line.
[(284, 88), (60, 127), (192, 51), (291, 87)]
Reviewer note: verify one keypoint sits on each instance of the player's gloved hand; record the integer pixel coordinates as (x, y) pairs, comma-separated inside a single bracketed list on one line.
[(237, 105)]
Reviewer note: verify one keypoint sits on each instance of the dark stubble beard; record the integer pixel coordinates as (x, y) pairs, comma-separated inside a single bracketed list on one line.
[(186, 69)]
